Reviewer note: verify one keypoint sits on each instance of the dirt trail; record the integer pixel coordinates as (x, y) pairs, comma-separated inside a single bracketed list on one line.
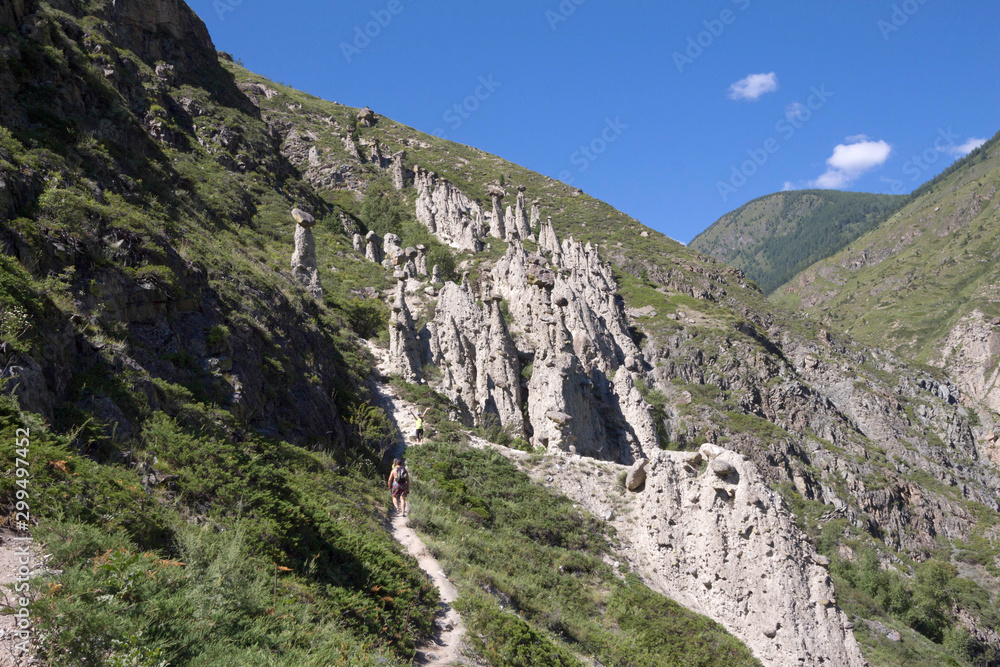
[(444, 649), (10, 564)]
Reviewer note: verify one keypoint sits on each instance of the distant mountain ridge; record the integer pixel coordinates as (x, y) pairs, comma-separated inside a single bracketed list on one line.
[(924, 282), (774, 237)]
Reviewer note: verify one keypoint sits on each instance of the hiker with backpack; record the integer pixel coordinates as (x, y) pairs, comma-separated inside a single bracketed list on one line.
[(399, 485), (419, 433)]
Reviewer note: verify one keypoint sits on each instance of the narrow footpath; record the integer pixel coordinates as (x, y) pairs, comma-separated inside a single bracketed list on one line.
[(444, 649)]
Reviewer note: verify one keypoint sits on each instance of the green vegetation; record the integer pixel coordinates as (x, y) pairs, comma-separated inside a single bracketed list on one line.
[(185, 571), (907, 283), (503, 539), (774, 237), (918, 607)]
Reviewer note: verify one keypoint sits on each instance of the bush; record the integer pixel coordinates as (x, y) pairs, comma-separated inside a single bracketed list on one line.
[(383, 210)]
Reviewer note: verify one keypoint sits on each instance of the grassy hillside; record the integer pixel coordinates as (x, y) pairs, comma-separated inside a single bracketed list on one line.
[(774, 237), (905, 284)]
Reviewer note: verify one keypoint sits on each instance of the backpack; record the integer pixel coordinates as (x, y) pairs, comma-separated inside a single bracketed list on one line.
[(402, 477)]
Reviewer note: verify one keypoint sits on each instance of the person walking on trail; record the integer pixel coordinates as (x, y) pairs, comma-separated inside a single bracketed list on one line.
[(399, 485), (419, 434)]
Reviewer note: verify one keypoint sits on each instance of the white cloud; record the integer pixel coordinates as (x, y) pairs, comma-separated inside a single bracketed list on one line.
[(788, 186), (966, 148), (852, 160), (752, 87)]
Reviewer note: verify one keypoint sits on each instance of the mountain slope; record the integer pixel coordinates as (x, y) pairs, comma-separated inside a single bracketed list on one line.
[(924, 282), (186, 356), (774, 237)]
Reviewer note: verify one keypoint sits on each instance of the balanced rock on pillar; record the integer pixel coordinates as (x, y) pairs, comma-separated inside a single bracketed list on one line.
[(304, 258)]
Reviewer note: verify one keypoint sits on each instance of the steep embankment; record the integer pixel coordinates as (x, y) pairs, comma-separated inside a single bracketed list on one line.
[(774, 237), (923, 284)]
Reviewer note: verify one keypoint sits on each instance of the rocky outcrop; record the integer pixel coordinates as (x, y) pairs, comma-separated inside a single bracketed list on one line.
[(404, 347), (520, 219), (367, 117), (447, 213), (574, 329), (723, 544), (478, 361), (498, 226), (373, 248), (421, 260), (398, 170), (969, 352), (304, 257)]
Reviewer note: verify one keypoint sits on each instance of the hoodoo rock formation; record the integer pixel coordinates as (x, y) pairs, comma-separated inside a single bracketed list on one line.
[(447, 213), (498, 227), (478, 359), (304, 258), (404, 348)]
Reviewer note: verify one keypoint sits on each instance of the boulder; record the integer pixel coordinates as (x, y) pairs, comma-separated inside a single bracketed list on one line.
[(636, 476), (722, 468)]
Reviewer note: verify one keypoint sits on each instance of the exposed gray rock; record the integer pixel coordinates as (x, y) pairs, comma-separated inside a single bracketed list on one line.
[(636, 476), (498, 227), (745, 565), (304, 267), (722, 468), (519, 225), (373, 248), (436, 275), (577, 332), (447, 213), (404, 347), (367, 117), (478, 360), (421, 260), (398, 171), (359, 243)]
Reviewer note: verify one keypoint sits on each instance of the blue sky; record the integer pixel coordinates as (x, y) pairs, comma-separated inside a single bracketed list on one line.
[(673, 112)]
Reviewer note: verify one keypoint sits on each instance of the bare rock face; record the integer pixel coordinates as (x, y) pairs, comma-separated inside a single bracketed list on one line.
[(479, 363), (358, 242), (520, 222), (498, 227), (726, 546), (373, 248), (547, 240), (392, 252), (576, 331), (404, 347), (398, 171), (436, 275), (536, 214), (969, 351), (421, 260), (447, 212), (304, 258)]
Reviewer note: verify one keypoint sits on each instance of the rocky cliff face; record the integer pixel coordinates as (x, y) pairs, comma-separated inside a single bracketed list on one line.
[(705, 529)]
